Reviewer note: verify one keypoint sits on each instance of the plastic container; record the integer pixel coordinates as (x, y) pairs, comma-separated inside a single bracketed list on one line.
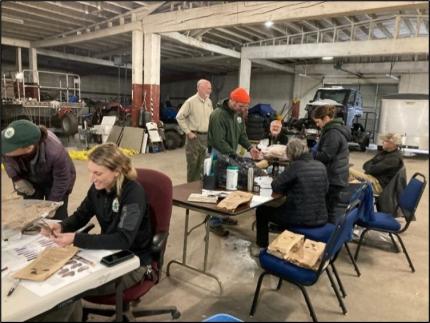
[(232, 176), (250, 179)]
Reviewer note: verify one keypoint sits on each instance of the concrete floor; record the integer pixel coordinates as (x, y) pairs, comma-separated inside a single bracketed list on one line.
[(386, 290)]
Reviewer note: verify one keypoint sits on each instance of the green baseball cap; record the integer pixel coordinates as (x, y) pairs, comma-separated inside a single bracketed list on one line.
[(19, 134)]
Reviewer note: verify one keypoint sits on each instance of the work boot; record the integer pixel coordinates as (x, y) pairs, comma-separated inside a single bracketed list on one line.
[(229, 221), (219, 231)]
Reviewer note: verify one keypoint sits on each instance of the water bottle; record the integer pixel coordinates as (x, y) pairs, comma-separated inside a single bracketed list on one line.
[(250, 179), (232, 176)]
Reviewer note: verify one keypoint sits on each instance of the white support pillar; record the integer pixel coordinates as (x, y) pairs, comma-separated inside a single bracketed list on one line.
[(151, 74), (136, 75), (18, 59), (151, 59), (137, 57), (32, 59), (304, 90), (245, 73)]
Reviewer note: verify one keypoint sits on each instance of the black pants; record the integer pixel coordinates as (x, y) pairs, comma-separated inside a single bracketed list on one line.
[(334, 205), (42, 194), (266, 214)]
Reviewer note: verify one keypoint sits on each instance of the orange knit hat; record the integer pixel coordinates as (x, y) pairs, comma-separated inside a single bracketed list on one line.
[(240, 95)]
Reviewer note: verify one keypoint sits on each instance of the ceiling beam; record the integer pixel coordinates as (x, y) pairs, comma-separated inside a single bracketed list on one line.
[(340, 49), (7, 41), (136, 25), (381, 26), (39, 16), (250, 12), (192, 60), (228, 32), (365, 68), (274, 65), (199, 44), (78, 58), (53, 12)]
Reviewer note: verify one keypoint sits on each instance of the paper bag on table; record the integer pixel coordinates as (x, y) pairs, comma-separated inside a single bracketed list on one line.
[(47, 263), (233, 200)]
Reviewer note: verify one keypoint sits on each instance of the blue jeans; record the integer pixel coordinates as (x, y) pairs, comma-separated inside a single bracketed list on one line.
[(214, 221)]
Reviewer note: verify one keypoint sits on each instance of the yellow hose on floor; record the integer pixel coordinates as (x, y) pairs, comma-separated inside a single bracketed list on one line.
[(83, 154)]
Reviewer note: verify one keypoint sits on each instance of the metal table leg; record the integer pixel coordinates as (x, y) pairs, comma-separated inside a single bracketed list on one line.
[(184, 250)]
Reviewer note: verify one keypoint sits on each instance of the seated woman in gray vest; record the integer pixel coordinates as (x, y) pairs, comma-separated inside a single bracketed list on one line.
[(305, 185)]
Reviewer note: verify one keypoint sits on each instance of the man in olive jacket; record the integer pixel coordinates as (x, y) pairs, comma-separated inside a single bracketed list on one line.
[(226, 131)]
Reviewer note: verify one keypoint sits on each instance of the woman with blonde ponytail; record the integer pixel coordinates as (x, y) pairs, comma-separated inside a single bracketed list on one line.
[(118, 202)]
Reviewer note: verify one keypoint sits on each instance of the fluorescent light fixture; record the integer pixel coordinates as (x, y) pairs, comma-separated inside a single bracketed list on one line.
[(13, 20), (327, 58), (392, 77), (268, 23)]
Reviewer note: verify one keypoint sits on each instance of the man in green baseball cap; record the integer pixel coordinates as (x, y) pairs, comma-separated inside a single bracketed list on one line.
[(18, 137), (37, 163)]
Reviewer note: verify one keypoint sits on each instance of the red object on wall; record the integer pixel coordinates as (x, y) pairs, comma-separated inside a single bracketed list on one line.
[(151, 95), (136, 104)]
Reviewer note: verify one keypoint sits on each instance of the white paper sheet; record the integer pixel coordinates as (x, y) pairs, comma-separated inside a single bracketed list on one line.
[(17, 255)]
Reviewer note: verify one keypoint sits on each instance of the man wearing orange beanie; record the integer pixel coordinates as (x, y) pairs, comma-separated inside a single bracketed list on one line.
[(226, 131)]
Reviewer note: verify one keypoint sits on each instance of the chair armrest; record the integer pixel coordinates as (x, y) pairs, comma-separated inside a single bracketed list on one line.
[(159, 241)]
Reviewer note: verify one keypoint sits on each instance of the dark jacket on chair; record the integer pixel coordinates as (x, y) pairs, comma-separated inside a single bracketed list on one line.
[(384, 166), (333, 152), (389, 197), (305, 184)]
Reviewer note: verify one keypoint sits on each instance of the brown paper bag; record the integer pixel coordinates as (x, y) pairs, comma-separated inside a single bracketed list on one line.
[(233, 200), (286, 242), (308, 256), (296, 249), (47, 263)]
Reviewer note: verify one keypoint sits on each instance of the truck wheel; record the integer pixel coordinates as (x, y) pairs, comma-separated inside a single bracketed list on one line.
[(69, 124), (172, 140)]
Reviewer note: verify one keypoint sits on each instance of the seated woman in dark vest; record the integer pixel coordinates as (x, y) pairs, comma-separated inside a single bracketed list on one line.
[(305, 185)]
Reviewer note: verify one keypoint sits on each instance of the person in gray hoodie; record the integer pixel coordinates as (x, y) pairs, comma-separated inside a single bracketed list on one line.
[(332, 151)]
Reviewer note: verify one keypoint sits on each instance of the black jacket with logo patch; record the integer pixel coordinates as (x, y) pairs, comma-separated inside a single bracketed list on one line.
[(124, 225)]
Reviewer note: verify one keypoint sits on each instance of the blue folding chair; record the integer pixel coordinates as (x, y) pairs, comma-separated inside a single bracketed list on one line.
[(302, 277), (351, 197), (387, 223)]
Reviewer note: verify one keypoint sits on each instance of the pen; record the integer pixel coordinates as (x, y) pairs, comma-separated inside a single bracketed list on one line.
[(3, 269), (12, 289), (46, 225)]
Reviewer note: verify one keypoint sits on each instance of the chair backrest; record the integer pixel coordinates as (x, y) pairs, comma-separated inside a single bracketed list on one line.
[(158, 189), (341, 234), (411, 195), (388, 199)]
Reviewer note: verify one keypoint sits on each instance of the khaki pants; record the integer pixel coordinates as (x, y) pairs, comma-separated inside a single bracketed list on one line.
[(361, 176), (195, 151)]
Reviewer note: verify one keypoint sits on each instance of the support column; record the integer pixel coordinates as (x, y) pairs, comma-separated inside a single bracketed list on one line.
[(18, 59), (245, 74), (136, 76), (303, 91), (32, 53), (151, 75)]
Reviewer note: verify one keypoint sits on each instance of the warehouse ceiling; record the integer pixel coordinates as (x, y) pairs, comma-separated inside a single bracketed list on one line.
[(38, 21)]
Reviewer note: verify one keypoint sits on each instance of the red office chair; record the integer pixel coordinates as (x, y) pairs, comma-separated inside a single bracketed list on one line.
[(158, 188)]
